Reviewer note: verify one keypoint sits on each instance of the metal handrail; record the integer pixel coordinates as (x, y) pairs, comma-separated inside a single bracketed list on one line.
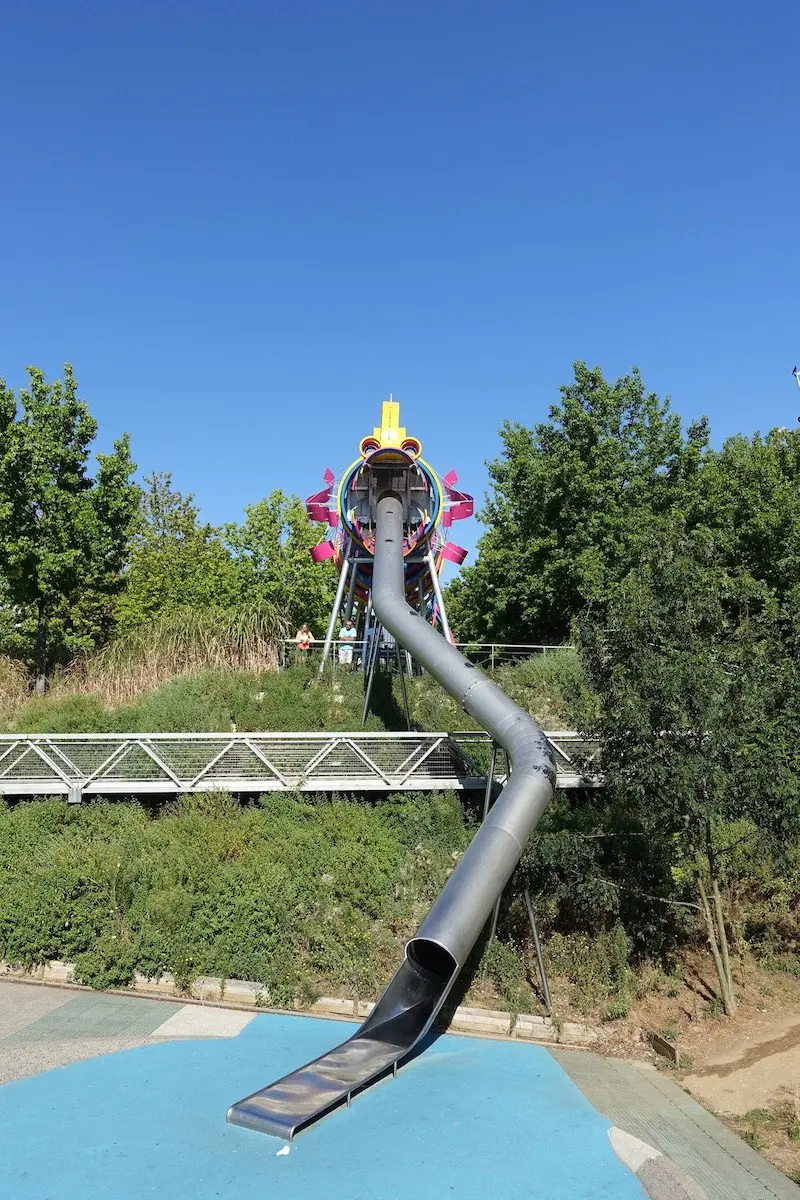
[(75, 764), (538, 646), (491, 654)]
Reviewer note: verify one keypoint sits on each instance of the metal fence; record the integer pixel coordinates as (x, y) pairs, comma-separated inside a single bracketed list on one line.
[(82, 765), (488, 655)]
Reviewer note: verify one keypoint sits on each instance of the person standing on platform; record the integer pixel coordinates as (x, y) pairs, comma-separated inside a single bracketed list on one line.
[(303, 641), (347, 636)]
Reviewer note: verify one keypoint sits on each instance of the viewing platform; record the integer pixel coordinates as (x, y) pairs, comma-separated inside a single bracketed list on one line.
[(489, 656)]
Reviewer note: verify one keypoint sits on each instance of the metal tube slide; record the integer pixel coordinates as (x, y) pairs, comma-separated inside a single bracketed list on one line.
[(435, 956), (458, 916)]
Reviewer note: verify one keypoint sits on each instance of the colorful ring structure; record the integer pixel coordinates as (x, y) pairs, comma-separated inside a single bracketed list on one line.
[(436, 502), (407, 454)]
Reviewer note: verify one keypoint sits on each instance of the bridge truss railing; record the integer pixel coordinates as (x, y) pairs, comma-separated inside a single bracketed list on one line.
[(85, 765)]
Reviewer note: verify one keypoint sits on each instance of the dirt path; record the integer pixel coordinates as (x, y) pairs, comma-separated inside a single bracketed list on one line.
[(760, 1070)]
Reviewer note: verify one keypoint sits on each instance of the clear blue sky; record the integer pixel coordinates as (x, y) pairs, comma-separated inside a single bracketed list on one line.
[(246, 223)]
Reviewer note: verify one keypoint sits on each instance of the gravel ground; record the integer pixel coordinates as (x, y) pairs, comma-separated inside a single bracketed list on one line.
[(18, 1060), (46, 1027), (22, 1003)]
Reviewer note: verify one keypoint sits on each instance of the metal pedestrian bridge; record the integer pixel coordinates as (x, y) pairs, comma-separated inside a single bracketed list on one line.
[(80, 766)]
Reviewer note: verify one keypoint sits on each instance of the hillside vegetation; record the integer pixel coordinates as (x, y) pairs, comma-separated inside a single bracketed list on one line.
[(316, 895), (296, 895), (293, 699), (672, 565)]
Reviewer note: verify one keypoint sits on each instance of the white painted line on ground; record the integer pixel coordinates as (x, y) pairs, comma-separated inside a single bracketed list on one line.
[(199, 1021), (659, 1176)]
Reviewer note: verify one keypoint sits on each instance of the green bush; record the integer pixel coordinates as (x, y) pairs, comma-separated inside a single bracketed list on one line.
[(598, 969), (505, 966), (65, 714), (546, 686), (212, 701), (293, 894), (295, 699)]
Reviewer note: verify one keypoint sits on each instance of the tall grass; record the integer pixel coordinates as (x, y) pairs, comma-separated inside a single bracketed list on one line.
[(184, 642), (14, 685), (115, 696)]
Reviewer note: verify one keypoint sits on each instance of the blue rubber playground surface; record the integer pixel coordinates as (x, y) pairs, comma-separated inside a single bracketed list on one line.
[(468, 1118)]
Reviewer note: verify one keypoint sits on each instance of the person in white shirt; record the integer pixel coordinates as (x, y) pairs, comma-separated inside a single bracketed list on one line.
[(347, 635)]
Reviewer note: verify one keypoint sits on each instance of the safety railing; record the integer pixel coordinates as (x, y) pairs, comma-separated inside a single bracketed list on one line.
[(79, 765), (488, 655)]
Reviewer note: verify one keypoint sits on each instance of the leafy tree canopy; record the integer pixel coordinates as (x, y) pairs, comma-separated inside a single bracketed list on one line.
[(175, 560), (680, 663), (572, 504), (63, 534), (271, 549), (748, 495), (694, 698)]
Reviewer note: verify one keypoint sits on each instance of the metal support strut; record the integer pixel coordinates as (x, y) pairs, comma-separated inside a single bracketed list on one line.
[(537, 945), (437, 591), (337, 605)]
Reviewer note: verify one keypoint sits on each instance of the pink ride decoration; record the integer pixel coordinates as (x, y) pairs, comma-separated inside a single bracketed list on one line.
[(346, 506)]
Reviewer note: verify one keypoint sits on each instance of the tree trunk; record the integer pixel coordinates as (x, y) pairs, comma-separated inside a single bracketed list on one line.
[(712, 941), (723, 941), (40, 663), (721, 933)]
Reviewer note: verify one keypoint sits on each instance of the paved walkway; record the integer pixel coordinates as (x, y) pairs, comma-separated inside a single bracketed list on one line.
[(469, 1118), (642, 1101)]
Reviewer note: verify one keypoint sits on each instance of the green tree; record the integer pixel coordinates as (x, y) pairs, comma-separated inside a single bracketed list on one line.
[(271, 548), (573, 502), (176, 562), (689, 710), (748, 494), (63, 535)]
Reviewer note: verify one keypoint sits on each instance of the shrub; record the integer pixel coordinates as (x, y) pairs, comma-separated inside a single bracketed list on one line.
[(65, 714), (546, 686), (505, 966), (217, 698), (598, 969), (294, 894)]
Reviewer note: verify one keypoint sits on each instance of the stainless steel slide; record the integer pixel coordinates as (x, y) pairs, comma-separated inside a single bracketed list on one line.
[(434, 957)]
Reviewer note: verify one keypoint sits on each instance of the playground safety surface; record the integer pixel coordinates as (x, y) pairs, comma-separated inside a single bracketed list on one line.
[(467, 1118)]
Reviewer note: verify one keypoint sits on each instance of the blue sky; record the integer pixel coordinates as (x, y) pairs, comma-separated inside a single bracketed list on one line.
[(245, 224)]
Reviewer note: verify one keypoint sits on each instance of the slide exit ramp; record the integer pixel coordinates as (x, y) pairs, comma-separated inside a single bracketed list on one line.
[(435, 956)]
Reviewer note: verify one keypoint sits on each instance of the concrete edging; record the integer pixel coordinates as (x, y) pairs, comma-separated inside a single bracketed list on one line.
[(479, 1022)]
